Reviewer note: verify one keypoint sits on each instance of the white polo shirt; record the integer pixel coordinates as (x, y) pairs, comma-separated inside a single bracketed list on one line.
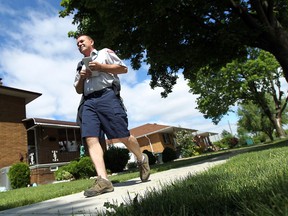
[(100, 80)]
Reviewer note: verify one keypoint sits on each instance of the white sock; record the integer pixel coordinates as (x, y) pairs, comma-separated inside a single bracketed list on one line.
[(143, 158), (104, 178)]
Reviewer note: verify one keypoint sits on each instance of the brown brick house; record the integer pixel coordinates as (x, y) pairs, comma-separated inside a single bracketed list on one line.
[(155, 137), (13, 136), (43, 144), (203, 140), (51, 144)]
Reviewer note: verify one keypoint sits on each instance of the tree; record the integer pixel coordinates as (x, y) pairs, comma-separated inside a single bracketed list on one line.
[(256, 79), (186, 143), (170, 35), (253, 120), (228, 139)]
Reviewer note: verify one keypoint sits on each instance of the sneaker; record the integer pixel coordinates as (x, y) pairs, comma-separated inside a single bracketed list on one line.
[(144, 168), (100, 186)]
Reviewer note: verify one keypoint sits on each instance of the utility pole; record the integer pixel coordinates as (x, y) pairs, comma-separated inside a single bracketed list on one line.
[(230, 128)]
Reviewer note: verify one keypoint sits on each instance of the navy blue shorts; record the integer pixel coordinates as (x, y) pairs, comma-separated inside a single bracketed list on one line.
[(104, 112)]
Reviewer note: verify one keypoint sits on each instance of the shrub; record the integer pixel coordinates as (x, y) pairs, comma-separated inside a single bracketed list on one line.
[(73, 168), (152, 158), (232, 142), (19, 175), (116, 158), (187, 146), (62, 174), (221, 145), (86, 168), (78, 169), (168, 155), (132, 165)]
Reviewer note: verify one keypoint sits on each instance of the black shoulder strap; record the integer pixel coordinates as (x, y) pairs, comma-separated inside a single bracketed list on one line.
[(79, 66)]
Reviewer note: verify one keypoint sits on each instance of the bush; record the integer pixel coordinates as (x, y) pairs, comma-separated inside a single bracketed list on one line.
[(187, 146), (116, 159), (78, 169), (132, 165), (62, 174), (86, 168), (152, 158), (232, 142), (19, 175), (221, 145), (168, 155)]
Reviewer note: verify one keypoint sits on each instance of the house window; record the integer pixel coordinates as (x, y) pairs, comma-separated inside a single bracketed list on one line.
[(166, 138), (68, 140)]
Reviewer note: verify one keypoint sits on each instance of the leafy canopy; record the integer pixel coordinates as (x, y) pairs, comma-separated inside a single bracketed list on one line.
[(253, 120), (242, 80), (170, 35)]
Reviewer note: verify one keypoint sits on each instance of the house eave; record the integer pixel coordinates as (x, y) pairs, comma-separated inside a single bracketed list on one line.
[(166, 130)]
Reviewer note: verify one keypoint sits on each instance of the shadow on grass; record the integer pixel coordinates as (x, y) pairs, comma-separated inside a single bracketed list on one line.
[(219, 191), (219, 155)]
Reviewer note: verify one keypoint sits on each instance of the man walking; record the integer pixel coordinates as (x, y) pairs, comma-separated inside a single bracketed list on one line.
[(103, 110)]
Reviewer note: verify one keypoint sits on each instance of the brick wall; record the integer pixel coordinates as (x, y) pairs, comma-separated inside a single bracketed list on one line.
[(156, 141), (12, 109), (13, 135), (13, 143), (41, 176)]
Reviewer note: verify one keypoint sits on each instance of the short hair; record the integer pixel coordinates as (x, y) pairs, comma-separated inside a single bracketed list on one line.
[(89, 38), (80, 35)]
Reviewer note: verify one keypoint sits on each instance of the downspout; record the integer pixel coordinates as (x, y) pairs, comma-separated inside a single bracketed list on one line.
[(150, 144)]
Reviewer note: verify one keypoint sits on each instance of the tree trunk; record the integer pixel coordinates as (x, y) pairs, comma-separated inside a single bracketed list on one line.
[(270, 135), (275, 41), (276, 120), (278, 126)]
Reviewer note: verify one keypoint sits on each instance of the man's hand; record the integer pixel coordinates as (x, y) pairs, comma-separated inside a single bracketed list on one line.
[(85, 74), (95, 66)]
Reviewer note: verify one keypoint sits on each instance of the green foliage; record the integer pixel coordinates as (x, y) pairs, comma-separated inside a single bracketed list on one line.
[(85, 168), (132, 165), (168, 155), (78, 169), (152, 158), (185, 140), (243, 140), (62, 174), (19, 175), (209, 35), (260, 138), (227, 141), (221, 145), (251, 79), (116, 158), (231, 142), (253, 120), (249, 184)]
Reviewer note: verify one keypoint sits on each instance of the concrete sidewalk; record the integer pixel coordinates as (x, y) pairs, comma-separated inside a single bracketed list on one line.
[(77, 204)]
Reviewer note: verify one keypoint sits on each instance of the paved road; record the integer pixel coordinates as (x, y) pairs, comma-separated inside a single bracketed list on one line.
[(77, 204)]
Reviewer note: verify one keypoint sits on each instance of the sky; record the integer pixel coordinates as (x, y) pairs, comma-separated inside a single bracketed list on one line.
[(37, 55)]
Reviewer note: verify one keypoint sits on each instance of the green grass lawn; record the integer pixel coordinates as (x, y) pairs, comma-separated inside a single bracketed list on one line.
[(253, 183), (247, 184)]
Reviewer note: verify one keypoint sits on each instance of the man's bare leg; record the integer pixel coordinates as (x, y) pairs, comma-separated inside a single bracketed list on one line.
[(142, 159), (97, 156)]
